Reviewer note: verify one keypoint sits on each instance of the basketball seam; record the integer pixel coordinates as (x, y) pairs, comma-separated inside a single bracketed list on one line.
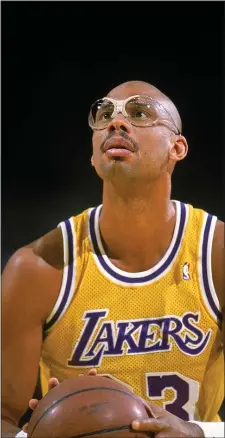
[(101, 431), (75, 393)]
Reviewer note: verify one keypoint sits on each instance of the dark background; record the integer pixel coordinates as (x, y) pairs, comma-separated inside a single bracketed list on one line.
[(58, 57)]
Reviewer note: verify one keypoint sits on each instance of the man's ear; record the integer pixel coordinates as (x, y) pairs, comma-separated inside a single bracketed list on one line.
[(179, 148)]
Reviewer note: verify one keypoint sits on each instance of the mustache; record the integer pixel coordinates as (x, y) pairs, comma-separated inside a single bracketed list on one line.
[(122, 134)]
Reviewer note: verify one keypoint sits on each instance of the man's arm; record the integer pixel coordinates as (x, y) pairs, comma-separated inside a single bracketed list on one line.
[(30, 286)]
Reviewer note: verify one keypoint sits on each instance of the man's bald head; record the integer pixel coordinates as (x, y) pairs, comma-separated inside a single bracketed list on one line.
[(130, 88), (156, 151)]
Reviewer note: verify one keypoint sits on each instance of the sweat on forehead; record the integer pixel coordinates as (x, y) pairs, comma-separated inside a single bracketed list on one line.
[(123, 91)]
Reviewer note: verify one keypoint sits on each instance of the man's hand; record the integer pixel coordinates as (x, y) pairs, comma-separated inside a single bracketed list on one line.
[(161, 423), (34, 402), (166, 425), (51, 384)]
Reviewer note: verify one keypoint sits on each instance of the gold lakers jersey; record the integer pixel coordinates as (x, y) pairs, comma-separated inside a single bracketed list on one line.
[(157, 331)]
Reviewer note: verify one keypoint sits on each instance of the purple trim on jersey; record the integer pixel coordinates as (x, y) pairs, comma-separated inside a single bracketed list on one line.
[(204, 267), (68, 280), (148, 277)]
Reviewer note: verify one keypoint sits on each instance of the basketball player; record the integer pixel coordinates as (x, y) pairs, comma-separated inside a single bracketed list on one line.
[(133, 288)]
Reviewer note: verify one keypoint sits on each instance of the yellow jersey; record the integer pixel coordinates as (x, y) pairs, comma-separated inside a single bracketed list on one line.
[(157, 331)]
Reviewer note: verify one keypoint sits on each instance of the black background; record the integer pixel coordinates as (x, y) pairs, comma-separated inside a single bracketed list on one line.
[(58, 57)]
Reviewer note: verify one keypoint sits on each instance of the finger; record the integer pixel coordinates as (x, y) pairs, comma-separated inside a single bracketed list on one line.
[(52, 383), (25, 428), (33, 403), (147, 406), (92, 372), (156, 411), (150, 425), (152, 410)]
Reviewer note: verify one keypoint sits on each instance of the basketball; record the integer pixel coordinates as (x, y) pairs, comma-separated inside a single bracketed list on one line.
[(87, 406)]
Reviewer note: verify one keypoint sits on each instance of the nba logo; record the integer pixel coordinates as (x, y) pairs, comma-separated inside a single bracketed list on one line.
[(186, 275)]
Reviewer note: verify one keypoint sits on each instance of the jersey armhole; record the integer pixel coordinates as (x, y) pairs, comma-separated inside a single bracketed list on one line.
[(208, 291), (69, 274)]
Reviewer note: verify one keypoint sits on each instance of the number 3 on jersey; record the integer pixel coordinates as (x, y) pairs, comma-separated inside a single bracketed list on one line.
[(185, 390)]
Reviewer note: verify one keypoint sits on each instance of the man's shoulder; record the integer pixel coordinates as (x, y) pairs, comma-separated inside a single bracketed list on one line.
[(44, 253), (33, 274), (203, 209), (49, 248), (45, 250)]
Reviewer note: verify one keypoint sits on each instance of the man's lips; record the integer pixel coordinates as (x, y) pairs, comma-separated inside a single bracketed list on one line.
[(118, 142)]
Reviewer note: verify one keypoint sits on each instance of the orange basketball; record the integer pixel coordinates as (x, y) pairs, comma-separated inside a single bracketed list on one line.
[(87, 406)]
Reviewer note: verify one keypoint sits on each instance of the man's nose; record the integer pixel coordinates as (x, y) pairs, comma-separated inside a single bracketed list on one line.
[(119, 122)]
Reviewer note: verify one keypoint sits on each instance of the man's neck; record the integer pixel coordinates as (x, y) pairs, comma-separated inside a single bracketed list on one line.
[(138, 224)]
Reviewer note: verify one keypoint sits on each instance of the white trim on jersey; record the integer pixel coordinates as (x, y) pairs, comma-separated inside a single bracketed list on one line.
[(209, 263), (153, 272), (69, 274), (205, 266), (65, 271)]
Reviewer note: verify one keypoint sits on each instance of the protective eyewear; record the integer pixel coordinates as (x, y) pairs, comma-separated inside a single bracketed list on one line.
[(139, 110)]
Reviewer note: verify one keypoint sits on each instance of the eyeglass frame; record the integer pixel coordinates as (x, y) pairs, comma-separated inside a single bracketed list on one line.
[(119, 108)]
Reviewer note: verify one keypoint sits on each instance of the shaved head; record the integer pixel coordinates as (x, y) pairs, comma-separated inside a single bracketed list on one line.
[(154, 150), (130, 88)]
